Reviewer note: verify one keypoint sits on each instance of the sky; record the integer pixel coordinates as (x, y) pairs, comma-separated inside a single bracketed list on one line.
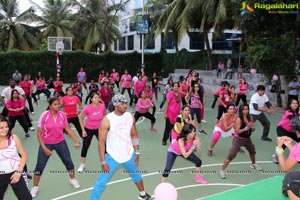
[(25, 4)]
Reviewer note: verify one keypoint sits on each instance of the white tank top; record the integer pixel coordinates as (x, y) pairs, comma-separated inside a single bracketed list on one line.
[(9, 158), (118, 142)]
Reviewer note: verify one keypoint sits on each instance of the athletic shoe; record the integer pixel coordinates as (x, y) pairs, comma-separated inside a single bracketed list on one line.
[(146, 197), (209, 152), (34, 191), (32, 113), (81, 167), (28, 175), (164, 143), (275, 159), (256, 166), (203, 121), (74, 183), (202, 132), (266, 139), (199, 179), (27, 135), (32, 128), (222, 174)]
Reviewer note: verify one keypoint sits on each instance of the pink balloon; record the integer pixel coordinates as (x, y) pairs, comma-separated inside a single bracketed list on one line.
[(165, 191), (275, 77), (253, 71)]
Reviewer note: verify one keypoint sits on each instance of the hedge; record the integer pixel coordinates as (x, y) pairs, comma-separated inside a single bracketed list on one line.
[(44, 61)]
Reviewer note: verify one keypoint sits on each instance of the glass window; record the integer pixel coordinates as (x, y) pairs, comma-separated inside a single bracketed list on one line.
[(130, 42), (122, 44), (196, 40), (168, 42)]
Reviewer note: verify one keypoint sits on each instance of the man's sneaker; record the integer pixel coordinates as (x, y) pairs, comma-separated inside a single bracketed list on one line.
[(222, 174), (199, 179), (27, 135), (81, 167), (202, 132), (74, 183), (34, 191), (275, 159), (32, 128), (256, 166), (146, 197), (209, 152), (203, 121), (266, 139)]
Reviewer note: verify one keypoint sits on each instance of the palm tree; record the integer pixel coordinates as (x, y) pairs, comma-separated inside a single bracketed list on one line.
[(97, 23), (55, 19), (15, 33)]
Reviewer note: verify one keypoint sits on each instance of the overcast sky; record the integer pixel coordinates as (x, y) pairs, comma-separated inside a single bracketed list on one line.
[(25, 4)]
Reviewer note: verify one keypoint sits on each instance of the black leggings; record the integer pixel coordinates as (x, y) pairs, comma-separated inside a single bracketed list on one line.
[(87, 140), (20, 188), (21, 119), (137, 115), (239, 97), (75, 121)]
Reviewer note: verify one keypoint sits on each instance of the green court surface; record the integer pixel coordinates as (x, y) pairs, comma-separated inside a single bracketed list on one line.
[(260, 190), (55, 184)]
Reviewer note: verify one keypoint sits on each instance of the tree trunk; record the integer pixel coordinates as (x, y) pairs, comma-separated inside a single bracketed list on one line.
[(208, 49)]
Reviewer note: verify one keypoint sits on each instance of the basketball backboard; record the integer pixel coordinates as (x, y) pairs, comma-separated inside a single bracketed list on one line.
[(59, 43)]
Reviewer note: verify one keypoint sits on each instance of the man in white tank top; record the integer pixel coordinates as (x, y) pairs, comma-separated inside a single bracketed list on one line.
[(118, 130)]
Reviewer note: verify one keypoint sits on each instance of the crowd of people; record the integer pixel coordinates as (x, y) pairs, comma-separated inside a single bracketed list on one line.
[(182, 104)]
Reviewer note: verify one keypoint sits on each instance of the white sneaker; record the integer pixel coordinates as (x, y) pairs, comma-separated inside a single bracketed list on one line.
[(222, 174), (81, 167), (31, 128), (32, 113), (203, 121), (34, 191), (256, 166), (74, 183)]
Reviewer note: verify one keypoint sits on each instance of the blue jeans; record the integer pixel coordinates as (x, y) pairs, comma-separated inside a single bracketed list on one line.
[(113, 166), (63, 152)]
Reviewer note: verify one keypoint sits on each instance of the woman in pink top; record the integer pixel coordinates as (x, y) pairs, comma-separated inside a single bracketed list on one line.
[(291, 182), (224, 101), (27, 86), (70, 103), (217, 94), (94, 112), (15, 106), (142, 109), (224, 127), (173, 104), (149, 95), (126, 83), (184, 146), (12, 163), (139, 86), (284, 127), (116, 78), (184, 89), (51, 137), (242, 89), (105, 93), (41, 87), (58, 85)]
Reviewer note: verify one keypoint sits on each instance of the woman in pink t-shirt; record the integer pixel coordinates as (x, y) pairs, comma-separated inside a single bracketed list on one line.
[(15, 106), (116, 78), (224, 100), (105, 93), (216, 95), (70, 102), (184, 89), (173, 104), (94, 112), (242, 89), (149, 95), (139, 86), (288, 164), (185, 145), (224, 127), (58, 85), (284, 127), (142, 109), (126, 83), (51, 137)]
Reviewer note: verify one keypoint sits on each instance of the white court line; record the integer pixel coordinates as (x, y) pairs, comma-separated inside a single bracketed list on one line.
[(155, 173)]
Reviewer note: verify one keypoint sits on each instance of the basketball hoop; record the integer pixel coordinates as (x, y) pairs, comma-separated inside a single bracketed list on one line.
[(60, 47)]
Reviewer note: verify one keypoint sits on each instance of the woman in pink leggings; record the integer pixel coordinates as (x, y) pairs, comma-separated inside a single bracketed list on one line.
[(224, 127)]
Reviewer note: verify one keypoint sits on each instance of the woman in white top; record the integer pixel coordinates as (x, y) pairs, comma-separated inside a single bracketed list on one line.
[(11, 164)]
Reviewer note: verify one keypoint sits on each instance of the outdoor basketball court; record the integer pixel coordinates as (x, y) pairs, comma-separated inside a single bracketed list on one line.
[(242, 182)]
